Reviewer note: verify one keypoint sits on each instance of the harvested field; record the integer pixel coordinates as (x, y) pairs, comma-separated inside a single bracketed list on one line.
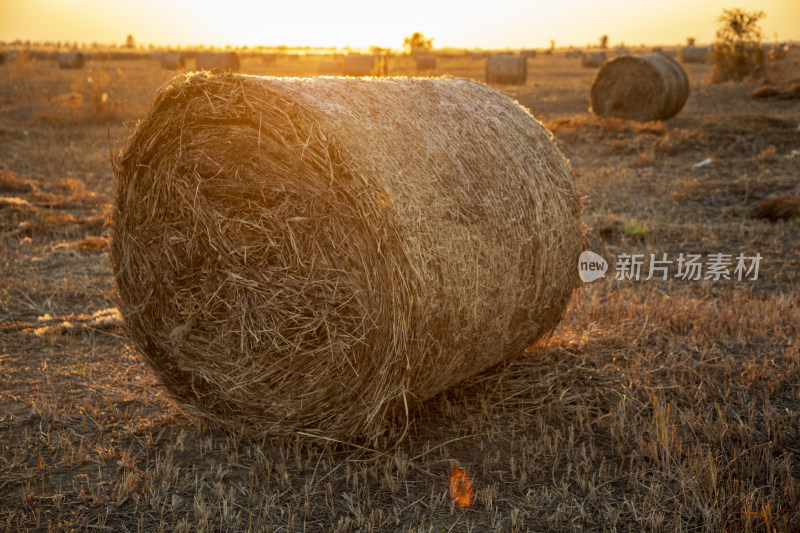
[(655, 405)]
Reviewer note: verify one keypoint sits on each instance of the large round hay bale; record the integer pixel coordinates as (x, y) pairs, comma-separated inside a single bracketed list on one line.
[(321, 254), (695, 54), (70, 60), (593, 59), (358, 65), (218, 61), (506, 69), (172, 61), (648, 87)]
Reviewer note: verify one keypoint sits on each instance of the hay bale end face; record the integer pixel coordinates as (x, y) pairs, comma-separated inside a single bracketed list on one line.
[(218, 61), (172, 61), (506, 69), (70, 60), (643, 88), (358, 65), (321, 254), (593, 59)]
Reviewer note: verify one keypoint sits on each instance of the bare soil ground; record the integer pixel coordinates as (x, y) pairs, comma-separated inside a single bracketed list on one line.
[(658, 405)]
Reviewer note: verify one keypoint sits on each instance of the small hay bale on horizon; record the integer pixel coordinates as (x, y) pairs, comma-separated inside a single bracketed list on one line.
[(71, 60), (330, 67), (506, 69), (217, 62), (426, 62), (695, 54), (358, 65), (593, 59), (642, 88), (325, 254), (172, 61)]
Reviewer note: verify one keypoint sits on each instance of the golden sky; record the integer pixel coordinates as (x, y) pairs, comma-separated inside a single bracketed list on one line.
[(360, 23)]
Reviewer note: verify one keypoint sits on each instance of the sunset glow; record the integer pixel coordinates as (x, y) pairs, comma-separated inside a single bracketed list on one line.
[(361, 23)]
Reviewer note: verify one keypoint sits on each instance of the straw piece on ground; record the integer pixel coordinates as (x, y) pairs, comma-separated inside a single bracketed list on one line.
[(782, 207), (323, 254), (506, 69), (643, 88), (71, 60), (593, 59), (218, 61)]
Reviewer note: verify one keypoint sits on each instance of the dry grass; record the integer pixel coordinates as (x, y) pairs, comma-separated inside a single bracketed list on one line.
[(656, 406)]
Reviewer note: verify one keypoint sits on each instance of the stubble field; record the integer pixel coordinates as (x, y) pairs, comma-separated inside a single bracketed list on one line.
[(657, 405)]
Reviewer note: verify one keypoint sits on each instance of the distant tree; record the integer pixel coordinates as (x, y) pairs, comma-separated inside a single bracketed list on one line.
[(416, 42), (690, 41), (604, 41), (552, 45), (130, 42), (737, 49)]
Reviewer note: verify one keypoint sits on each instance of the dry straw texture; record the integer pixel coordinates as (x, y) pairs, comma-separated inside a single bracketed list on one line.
[(218, 61), (506, 69), (643, 88), (71, 60), (322, 254), (593, 59)]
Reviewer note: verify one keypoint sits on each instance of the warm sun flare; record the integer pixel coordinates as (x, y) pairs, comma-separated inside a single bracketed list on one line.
[(360, 23)]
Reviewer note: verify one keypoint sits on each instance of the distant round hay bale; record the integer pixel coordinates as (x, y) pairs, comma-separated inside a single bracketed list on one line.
[(695, 54), (172, 61), (330, 67), (643, 88), (70, 60), (358, 65), (218, 61), (426, 62), (506, 69), (322, 254), (269, 58), (593, 59), (574, 53)]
